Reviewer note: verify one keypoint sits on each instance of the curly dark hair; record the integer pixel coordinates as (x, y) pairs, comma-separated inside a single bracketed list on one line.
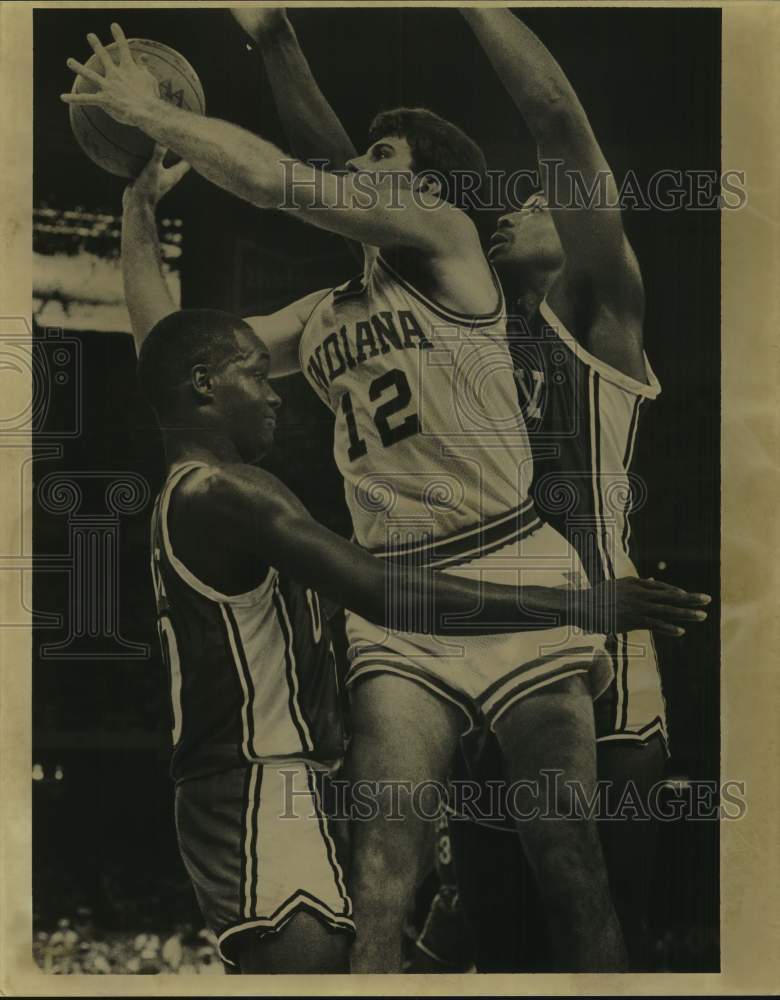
[(439, 148)]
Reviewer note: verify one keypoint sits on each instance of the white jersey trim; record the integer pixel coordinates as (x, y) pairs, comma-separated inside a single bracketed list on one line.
[(443, 312), (618, 378), (240, 600)]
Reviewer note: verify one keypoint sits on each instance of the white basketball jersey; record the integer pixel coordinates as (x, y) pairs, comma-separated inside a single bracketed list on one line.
[(429, 437)]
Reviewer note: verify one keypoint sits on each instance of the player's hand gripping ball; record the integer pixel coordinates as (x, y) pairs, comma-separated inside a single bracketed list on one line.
[(136, 68)]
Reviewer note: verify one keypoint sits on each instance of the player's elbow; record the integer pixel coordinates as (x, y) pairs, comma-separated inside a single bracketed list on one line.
[(245, 170), (558, 119)]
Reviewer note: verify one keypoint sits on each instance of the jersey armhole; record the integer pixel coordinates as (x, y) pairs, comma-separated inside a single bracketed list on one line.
[(648, 390), (250, 597), (471, 320)]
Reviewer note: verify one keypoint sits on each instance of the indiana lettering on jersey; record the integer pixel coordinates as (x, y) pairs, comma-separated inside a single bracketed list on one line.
[(351, 346)]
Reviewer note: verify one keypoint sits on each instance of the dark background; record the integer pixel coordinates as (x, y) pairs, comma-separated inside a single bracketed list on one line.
[(650, 80)]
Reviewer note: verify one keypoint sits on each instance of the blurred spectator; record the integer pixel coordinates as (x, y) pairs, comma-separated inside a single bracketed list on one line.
[(173, 951), (181, 950)]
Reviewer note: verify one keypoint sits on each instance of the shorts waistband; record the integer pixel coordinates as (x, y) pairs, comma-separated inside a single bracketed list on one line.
[(464, 545)]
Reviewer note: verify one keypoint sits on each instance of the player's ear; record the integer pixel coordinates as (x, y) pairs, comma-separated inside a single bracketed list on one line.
[(200, 380), (430, 185)]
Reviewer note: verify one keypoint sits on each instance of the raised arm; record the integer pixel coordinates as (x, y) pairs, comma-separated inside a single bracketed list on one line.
[(147, 294), (592, 235), (281, 332), (312, 127), (259, 172), (269, 525)]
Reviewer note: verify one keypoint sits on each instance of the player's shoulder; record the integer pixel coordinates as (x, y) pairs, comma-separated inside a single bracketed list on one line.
[(601, 340), (460, 236), (237, 492), (221, 480)]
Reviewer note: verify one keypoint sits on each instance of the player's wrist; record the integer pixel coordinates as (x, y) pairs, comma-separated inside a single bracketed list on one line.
[(149, 114), (139, 201), (556, 601), (273, 30)]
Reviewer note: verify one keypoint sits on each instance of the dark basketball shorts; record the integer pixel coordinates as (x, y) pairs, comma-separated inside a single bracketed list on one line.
[(258, 847)]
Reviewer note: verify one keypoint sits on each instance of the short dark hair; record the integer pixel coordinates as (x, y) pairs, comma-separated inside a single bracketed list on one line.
[(178, 342), (438, 147)]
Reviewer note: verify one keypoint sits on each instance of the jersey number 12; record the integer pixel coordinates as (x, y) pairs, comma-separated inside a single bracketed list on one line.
[(389, 434)]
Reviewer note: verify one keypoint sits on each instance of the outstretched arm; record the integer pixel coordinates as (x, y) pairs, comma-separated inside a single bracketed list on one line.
[(313, 129), (258, 171), (281, 332), (311, 125), (147, 294), (270, 523), (597, 251)]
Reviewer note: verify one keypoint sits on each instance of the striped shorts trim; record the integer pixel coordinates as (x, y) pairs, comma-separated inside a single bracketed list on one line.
[(640, 736), (411, 672), (467, 544), (258, 847), (530, 677), (284, 913), (490, 705)]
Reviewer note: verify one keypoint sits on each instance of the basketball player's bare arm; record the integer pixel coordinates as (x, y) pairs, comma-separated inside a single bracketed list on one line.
[(312, 127), (264, 523), (601, 278), (382, 213), (281, 332), (147, 295)]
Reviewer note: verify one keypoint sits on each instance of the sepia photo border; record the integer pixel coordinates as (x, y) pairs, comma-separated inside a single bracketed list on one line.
[(750, 630)]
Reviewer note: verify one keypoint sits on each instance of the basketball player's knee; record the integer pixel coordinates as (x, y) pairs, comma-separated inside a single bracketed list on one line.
[(383, 877), (379, 888), (569, 861)]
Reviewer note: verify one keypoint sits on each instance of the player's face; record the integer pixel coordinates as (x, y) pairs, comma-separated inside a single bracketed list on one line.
[(246, 400), (390, 154), (526, 237)]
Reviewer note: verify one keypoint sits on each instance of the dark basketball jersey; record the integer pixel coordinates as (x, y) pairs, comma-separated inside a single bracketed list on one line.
[(582, 417), (253, 676)]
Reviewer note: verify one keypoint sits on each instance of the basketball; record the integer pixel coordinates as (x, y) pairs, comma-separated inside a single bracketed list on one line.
[(123, 149)]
